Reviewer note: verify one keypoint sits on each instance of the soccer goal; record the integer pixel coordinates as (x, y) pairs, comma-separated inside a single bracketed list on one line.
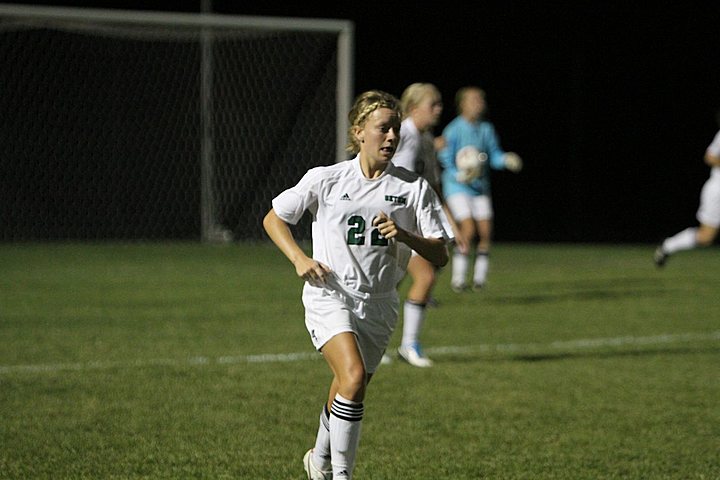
[(120, 124)]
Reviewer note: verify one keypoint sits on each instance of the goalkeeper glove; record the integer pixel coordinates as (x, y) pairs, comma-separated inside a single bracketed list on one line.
[(513, 162)]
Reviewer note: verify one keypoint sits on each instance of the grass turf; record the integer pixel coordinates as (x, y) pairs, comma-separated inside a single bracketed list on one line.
[(192, 361)]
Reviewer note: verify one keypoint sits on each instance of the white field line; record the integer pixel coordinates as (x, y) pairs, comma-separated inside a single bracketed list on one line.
[(579, 344), (515, 348)]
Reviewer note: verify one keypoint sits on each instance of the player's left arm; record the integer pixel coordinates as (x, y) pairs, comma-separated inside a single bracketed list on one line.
[(499, 158), (460, 241), (434, 250)]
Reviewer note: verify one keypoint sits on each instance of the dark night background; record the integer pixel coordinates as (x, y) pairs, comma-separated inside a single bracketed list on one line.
[(610, 104)]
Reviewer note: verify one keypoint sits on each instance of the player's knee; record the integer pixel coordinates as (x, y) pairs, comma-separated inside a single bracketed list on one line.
[(353, 381), (428, 278), (704, 241), (705, 236)]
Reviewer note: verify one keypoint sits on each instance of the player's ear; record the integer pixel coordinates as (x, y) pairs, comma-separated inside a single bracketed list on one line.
[(359, 134)]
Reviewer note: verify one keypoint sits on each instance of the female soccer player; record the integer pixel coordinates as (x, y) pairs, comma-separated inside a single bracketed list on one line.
[(422, 106), (468, 198), (368, 216), (708, 214)]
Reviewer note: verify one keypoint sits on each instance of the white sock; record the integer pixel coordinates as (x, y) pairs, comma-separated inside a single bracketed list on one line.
[(345, 427), (482, 263), (459, 268), (321, 452), (685, 240), (413, 318)]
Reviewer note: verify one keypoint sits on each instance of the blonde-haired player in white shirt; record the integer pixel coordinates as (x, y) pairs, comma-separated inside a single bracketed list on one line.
[(422, 107), (368, 216), (708, 214)]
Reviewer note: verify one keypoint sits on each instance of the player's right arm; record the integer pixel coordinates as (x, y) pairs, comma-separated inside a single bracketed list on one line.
[(446, 155), (306, 268)]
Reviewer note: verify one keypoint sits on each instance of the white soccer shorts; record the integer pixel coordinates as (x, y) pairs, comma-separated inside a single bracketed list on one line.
[(463, 206), (372, 320)]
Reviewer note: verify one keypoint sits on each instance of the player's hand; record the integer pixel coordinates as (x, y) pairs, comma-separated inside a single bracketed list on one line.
[(513, 162), (461, 242), (387, 227), (312, 271)]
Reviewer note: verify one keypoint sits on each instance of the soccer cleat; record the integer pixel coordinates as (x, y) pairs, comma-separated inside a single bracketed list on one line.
[(660, 257), (386, 359), (458, 287), (478, 286), (414, 356), (314, 473)]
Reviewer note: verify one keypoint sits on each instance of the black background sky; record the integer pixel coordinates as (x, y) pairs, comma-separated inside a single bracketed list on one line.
[(610, 104)]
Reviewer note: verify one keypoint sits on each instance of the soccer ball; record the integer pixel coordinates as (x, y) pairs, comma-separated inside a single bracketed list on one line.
[(470, 162)]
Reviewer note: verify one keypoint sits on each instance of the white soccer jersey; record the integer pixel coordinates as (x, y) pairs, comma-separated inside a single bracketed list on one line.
[(409, 146), (416, 152), (344, 203)]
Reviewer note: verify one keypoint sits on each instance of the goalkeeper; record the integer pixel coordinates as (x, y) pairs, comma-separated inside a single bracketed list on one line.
[(467, 190)]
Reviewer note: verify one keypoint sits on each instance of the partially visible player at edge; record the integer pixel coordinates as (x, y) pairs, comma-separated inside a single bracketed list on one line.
[(368, 216), (422, 106), (708, 213), (470, 200)]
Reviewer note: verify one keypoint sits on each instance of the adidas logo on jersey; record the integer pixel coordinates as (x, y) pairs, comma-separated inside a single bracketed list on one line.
[(345, 197)]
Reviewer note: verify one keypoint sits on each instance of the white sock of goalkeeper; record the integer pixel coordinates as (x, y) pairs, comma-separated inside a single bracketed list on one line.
[(321, 452), (482, 263), (413, 318), (345, 427), (460, 264), (685, 240)]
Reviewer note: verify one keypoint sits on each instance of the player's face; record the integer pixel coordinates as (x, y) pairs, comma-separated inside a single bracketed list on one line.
[(428, 112), (473, 105), (380, 136)]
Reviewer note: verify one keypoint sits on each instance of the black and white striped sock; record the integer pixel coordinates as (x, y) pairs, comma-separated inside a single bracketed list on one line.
[(345, 427), (321, 452)]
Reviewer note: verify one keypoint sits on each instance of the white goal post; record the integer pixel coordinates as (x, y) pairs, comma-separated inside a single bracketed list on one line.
[(141, 125)]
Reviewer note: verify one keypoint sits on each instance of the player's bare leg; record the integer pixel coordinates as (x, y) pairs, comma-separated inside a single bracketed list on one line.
[(688, 239), (461, 261), (706, 235), (423, 278), (482, 254), (346, 405)]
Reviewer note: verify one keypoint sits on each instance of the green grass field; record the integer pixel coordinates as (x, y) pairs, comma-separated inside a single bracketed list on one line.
[(174, 361)]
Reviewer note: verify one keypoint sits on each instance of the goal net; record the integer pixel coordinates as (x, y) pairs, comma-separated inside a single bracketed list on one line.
[(146, 125)]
